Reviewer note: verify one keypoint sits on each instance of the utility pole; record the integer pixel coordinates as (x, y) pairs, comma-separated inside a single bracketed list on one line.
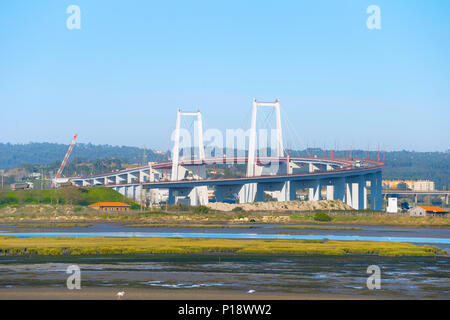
[(142, 195), (144, 157)]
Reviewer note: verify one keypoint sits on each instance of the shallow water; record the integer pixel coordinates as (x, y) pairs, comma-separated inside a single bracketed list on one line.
[(407, 277), (330, 276), (227, 236), (375, 231)]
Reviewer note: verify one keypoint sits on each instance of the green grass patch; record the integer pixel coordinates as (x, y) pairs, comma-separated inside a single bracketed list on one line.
[(72, 195), (11, 246)]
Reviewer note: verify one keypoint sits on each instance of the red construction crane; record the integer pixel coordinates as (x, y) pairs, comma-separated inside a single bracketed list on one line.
[(64, 162)]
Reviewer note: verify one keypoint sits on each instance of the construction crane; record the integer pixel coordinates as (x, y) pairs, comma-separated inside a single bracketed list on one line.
[(65, 160)]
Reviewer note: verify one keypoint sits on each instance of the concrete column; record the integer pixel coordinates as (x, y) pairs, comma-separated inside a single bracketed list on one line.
[(171, 199), (138, 194), (330, 192), (378, 191), (292, 191), (362, 193), (219, 194), (259, 192), (194, 197), (348, 192), (285, 193), (314, 192), (199, 196), (133, 192), (355, 195), (247, 193), (281, 191), (339, 189)]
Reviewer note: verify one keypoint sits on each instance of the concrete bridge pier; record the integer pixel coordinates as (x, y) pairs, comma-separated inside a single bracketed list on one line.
[(355, 192), (199, 196), (362, 193), (139, 194), (227, 192), (330, 192), (339, 189), (376, 190), (281, 188), (174, 193), (292, 190), (120, 190), (348, 192), (329, 188), (247, 193), (314, 190)]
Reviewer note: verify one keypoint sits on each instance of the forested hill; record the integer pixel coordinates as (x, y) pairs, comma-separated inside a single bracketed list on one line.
[(16, 155), (412, 165), (434, 166)]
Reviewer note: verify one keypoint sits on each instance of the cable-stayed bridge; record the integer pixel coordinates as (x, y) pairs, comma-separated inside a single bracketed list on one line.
[(356, 182)]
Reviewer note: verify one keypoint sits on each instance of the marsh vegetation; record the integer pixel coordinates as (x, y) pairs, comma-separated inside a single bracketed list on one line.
[(11, 246)]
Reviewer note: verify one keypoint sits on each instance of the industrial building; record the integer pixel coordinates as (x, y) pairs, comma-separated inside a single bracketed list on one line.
[(414, 185)]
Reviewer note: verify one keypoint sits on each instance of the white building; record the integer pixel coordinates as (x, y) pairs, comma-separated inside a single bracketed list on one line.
[(392, 205)]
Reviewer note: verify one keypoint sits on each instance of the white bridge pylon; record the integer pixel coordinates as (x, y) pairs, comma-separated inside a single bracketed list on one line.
[(252, 148), (176, 147), (248, 192), (197, 195)]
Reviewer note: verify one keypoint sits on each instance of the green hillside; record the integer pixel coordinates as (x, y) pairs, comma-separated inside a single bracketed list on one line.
[(73, 196)]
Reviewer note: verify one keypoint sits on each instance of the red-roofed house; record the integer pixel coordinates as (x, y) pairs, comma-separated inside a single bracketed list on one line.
[(110, 206), (422, 211)]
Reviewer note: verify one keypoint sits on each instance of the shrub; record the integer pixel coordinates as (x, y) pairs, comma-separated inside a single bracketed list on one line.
[(178, 207), (238, 209), (201, 209), (322, 216)]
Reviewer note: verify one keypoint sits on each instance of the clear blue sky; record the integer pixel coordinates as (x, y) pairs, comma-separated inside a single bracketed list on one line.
[(120, 79)]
